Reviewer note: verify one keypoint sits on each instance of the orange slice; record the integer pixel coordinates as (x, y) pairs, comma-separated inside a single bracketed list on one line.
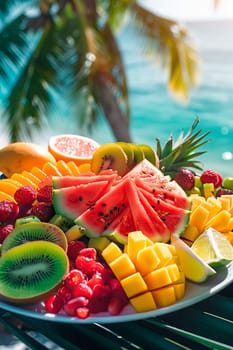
[(73, 168), (6, 196), (31, 177), (8, 187), (51, 169), (23, 180), (63, 168), (38, 173), (72, 147)]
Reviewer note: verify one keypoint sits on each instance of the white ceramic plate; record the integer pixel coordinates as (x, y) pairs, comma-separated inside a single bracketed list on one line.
[(194, 294)]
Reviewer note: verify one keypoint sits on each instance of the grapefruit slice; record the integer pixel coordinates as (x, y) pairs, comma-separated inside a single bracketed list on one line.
[(75, 148)]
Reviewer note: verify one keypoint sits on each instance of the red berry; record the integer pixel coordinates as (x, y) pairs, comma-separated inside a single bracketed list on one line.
[(53, 303), (82, 312), (82, 290), (211, 176), (74, 248), (65, 293), (86, 265), (5, 230), (224, 191), (115, 306), (186, 179), (43, 210), (8, 211), (88, 253), (73, 278), (71, 306), (44, 194), (25, 195)]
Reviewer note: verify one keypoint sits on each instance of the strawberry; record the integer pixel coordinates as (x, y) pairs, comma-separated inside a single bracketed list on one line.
[(25, 195), (186, 179), (5, 230), (43, 210), (44, 194), (8, 211), (211, 176)]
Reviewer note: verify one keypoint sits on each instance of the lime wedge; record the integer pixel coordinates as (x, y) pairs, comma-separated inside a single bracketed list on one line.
[(213, 247), (195, 269)]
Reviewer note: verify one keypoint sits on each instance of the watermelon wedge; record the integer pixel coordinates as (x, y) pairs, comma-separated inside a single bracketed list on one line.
[(68, 181), (73, 201)]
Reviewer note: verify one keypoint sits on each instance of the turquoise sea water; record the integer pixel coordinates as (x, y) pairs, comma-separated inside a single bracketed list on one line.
[(154, 113)]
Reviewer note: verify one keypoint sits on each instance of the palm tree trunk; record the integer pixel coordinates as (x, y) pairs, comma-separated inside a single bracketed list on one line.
[(115, 117)]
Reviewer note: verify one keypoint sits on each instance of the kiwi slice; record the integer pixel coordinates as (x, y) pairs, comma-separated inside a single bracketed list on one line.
[(129, 153), (138, 153), (148, 153), (109, 156), (62, 222), (35, 231), (31, 271), (26, 219)]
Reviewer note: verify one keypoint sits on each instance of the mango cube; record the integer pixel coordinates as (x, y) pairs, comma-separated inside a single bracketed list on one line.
[(136, 241), (158, 278), (147, 260), (122, 266), (111, 252), (164, 253), (143, 302), (179, 290), (164, 296), (134, 285), (173, 272)]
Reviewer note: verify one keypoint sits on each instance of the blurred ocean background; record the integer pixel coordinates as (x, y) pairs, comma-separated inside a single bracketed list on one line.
[(154, 113)]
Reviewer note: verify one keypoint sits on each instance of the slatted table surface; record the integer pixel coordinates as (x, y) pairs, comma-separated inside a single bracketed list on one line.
[(205, 325)]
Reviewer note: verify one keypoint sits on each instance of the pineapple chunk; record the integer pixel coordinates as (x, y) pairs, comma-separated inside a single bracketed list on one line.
[(219, 222), (199, 218), (191, 233)]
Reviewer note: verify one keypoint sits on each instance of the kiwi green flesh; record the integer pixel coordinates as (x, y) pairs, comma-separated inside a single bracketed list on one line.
[(109, 156), (34, 231), (31, 271), (148, 153), (138, 153), (129, 153)]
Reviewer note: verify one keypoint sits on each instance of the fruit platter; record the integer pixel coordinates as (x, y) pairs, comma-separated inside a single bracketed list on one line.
[(114, 232)]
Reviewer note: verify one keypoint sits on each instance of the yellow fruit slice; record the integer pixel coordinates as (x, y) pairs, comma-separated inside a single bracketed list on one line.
[(51, 169), (213, 247), (38, 173), (8, 187), (195, 269), (31, 177), (63, 168), (23, 180), (73, 168), (6, 196)]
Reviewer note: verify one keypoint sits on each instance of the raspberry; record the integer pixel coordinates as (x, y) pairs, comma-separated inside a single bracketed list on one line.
[(44, 194), (74, 248), (43, 210), (8, 211), (5, 230), (25, 195), (186, 179), (211, 176)]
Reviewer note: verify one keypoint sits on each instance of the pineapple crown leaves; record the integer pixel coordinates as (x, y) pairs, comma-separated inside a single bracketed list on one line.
[(182, 153)]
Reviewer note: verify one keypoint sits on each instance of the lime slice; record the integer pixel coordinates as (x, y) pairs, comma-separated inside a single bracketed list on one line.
[(213, 247), (195, 269)]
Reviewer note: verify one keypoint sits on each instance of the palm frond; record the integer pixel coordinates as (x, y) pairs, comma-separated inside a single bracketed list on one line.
[(114, 12), (172, 43), (30, 97), (13, 47), (6, 6)]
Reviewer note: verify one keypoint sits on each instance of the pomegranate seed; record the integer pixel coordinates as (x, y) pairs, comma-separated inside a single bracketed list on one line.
[(88, 253), (107, 275), (82, 290), (71, 306), (73, 278), (94, 280), (53, 303), (98, 305), (118, 291), (115, 306), (101, 291), (86, 265), (82, 312), (74, 248), (65, 293)]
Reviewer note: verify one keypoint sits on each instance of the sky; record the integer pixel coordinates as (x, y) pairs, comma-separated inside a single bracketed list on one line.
[(191, 9)]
